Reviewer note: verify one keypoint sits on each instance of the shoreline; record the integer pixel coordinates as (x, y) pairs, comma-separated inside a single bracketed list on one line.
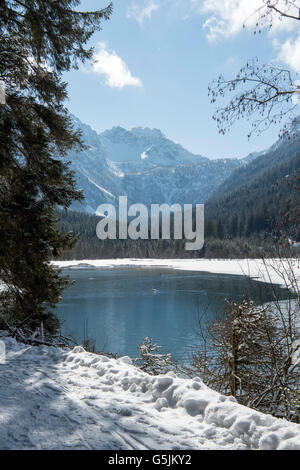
[(285, 272)]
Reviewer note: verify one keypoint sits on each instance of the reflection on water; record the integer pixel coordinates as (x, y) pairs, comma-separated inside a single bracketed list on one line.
[(119, 307)]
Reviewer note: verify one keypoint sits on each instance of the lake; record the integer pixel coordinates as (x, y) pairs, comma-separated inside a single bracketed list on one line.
[(119, 307)]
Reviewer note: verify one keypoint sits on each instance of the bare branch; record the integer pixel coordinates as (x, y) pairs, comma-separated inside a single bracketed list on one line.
[(265, 93)]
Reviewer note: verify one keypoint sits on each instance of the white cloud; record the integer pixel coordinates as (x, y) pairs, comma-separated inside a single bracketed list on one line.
[(289, 53), (141, 12), (113, 68), (227, 17)]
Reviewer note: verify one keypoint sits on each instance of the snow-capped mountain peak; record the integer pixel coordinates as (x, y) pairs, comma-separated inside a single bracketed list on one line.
[(144, 165)]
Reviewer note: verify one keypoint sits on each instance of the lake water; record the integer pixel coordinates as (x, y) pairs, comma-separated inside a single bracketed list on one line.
[(119, 307)]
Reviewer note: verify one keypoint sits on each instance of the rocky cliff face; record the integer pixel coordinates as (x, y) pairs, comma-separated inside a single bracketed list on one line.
[(144, 165)]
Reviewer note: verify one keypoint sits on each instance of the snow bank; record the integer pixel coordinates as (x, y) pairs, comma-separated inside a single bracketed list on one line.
[(56, 399), (254, 268)]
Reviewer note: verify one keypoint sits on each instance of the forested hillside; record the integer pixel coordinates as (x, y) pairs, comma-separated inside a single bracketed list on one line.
[(259, 204), (88, 246), (283, 151)]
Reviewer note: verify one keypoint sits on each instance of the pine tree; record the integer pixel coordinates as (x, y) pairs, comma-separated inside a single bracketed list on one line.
[(220, 230), (151, 360), (39, 40), (234, 225)]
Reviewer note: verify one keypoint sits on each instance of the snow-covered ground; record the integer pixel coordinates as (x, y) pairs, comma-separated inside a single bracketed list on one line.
[(268, 271), (52, 398)]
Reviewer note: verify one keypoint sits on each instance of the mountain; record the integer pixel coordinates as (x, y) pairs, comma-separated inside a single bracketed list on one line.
[(257, 164), (255, 197), (144, 165)]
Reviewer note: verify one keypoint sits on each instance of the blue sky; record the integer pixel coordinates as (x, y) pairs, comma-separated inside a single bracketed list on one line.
[(155, 59)]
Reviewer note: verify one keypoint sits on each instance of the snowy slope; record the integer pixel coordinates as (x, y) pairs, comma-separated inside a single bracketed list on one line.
[(61, 399), (287, 145), (144, 165)]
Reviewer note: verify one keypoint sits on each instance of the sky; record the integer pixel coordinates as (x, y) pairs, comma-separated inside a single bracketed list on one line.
[(154, 60)]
